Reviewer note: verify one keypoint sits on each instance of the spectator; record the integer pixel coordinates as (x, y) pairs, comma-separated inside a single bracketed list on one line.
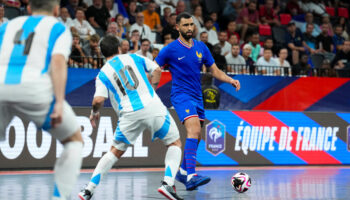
[(282, 62), (155, 53), (113, 29), (338, 39), (342, 58), (231, 29), (93, 52), (248, 19), (268, 44), (112, 7), (119, 18), (293, 7), (346, 26), (83, 27), (132, 11), (249, 62), (233, 40), (72, 7), (198, 18), (214, 17), (167, 39), (77, 56), (180, 7), (235, 62), (266, 63), (309, 40), (211, 94), (314, 6), (254, 43), (295, 41), (309, 19), (225, 46), (135, 41), (268, 15), (2, 14), (303, 68), (219, 59), (326, 20), (204, 38), (232, 8), (144, 30), (171, 27), (164, 20), (151, 18), (324, 43), (98, 15), (145, 47), (212, 35), (64, 18), (124, 47)]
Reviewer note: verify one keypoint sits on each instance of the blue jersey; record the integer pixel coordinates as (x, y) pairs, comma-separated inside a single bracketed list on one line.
[(185, 66)]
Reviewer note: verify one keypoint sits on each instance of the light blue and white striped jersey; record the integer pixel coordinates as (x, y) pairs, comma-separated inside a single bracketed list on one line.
[(27, 44), (124, 76)]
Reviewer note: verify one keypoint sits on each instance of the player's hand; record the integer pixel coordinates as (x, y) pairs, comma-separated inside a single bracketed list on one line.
[(94, 117), (56, 116), (236, 84)]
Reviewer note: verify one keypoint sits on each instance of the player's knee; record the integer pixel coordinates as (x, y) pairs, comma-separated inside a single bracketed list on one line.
[(176, 143), (194, 132), (76, 137), (118, 153)]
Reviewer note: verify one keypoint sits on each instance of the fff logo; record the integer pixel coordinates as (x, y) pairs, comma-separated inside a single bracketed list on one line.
[(215, 139)]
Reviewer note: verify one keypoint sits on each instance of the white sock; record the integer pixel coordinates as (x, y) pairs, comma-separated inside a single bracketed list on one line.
[(172, 163), (67, 169), (189, 176), (104, 165)]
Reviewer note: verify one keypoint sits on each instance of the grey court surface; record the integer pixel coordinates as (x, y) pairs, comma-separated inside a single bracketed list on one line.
[(267, 183)]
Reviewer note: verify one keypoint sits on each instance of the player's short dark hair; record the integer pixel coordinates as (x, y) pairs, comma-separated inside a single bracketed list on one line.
[(184, 15), (43, 5), (109, 46)]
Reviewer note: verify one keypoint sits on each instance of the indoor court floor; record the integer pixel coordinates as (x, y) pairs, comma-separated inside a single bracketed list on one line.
[(124, 184)]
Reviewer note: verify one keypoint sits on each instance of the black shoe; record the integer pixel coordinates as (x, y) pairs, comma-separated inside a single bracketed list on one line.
[(168, 191), (85, 194)]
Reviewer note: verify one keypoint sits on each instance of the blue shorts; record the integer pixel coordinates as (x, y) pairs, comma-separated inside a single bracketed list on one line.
[(187, 107)]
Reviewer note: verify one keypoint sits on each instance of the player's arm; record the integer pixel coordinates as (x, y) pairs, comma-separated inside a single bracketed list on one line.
[(156, 77), (101, 94), (220, 75)]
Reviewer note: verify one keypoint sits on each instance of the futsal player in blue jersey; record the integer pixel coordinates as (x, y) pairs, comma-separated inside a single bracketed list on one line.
[(186, 57)]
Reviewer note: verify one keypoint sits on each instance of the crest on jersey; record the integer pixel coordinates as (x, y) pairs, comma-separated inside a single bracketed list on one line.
[(199, 56), (215, 140), (187, 110)]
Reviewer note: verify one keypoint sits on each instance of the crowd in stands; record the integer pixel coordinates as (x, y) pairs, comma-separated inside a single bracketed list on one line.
[(289, 37)]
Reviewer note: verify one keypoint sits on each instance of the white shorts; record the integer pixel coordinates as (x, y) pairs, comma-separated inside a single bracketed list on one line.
[(161, 127), (40, 115)]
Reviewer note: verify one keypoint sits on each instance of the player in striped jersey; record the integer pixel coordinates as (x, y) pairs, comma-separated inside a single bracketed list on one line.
[(33, 72), (124, 79)]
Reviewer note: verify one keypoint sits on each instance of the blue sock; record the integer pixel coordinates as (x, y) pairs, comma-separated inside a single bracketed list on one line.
[(190, 155)]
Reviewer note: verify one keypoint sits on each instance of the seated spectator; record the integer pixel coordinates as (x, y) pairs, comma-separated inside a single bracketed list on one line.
[(294, 39), (303, 68), (309, 19), (98, 15), (112, 7), (250, 64), (180, 7), (293, 7), (234, 61), (232, 8), (72, 7), (135, 41), (155, 53), (145, 47), (268, 44), (171, 27), (254, 43), (233, 40), (266, 63), (338, 39), (164, 19), (346, 26), (268, 15), (225, 46), (204, 38), (326, 20), (282, 62), (64, 17), (3, 19), (83, 27), (93, 52), (122, 32), (211, 94), (124, 47), (248, 19), (144, 30), (132, 11), (314, 6), (113, 29), (324, 43), (309, 40), (231, 29), (77, 57), (212, 35), (198, 18), (214, 17), (219, 59), (167, 39), (342, 58), (151, 17)]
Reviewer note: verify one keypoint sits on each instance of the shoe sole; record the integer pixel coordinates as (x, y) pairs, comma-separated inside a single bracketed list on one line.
[(81, 197), (166, 194), (205, 181)]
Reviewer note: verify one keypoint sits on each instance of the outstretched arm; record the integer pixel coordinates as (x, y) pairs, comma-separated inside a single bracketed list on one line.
[(221, 76)]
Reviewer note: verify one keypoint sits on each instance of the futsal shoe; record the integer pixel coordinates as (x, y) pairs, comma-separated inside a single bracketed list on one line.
[(196, 181), (168, 191), (85, 195), (181, 178)]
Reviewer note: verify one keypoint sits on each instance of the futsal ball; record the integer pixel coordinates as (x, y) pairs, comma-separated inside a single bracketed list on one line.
[(241, 182)]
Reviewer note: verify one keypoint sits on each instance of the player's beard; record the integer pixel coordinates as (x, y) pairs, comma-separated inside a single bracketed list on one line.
[(185, 35)]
